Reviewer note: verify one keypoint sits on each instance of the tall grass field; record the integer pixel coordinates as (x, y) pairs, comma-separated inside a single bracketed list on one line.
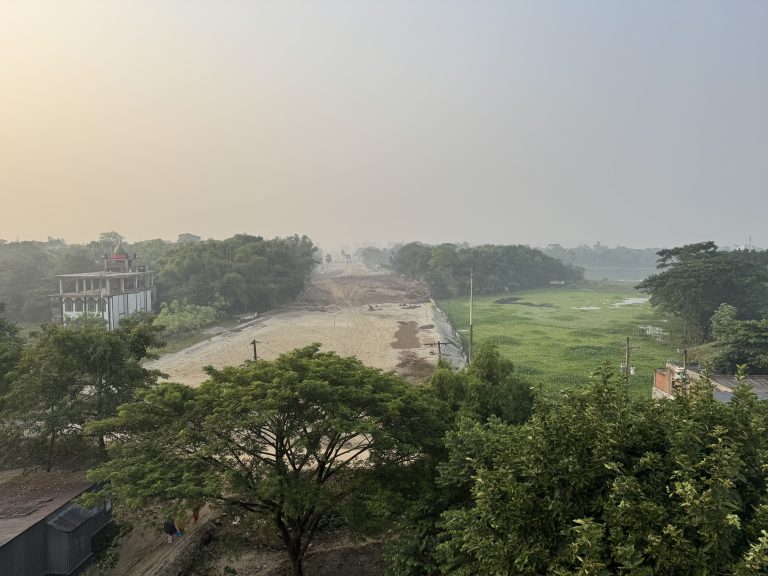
[(558, 336)]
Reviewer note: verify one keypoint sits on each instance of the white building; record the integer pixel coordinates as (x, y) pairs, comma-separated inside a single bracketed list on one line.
[(120, 290)]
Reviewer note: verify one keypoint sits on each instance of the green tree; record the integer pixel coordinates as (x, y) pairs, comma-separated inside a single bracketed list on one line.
[(289, 441), (45, 401), (10, 349), (69, 376), (488, 390), (239, 274), (596, 483), (739, 342), (446, 268), (696, 278)]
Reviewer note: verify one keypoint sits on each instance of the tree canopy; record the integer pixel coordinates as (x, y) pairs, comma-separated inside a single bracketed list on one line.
[(696, 278), (596, 483), (739, 342), (288, 441), (241, 274), (68, 376), (446, 267)]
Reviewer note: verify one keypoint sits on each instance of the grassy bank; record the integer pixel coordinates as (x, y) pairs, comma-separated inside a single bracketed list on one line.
[(558, 336)]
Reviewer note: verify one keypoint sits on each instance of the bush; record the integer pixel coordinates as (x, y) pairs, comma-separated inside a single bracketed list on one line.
[(178, 317)]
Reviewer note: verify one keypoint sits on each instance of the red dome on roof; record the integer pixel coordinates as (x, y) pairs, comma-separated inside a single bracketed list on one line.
[(120, 253)]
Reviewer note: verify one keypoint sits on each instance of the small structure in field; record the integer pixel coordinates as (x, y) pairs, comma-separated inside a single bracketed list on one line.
[(666, 380), (121, 289), (42, 531)]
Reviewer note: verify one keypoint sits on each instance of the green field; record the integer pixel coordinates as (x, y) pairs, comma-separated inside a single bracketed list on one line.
[(558, 336)]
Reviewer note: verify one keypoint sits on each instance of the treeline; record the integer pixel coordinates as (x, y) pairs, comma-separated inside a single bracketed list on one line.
[(446, 268), (241, 274), (604, 262)]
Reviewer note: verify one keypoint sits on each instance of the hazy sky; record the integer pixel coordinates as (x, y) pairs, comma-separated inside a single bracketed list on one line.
[(637, 123)]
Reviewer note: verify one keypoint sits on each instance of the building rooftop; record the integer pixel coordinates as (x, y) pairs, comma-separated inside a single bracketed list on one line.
[(104, 274), (25, 499), (727, 384)]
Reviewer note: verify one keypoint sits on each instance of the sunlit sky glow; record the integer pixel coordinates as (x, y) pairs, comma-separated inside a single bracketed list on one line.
[(634, 123)]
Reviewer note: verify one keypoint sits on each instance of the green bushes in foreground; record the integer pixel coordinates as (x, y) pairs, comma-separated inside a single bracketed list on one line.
[(596, 483)]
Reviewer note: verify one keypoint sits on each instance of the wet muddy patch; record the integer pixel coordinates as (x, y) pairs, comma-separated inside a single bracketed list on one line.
[(406, 336)]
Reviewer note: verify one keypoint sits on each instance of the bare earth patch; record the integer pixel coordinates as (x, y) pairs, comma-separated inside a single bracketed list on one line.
[(348, 310)]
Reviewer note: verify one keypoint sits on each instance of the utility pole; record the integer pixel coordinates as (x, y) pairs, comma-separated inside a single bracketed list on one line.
[(626, 368), (471, 302), (254, 342), (439, 348)]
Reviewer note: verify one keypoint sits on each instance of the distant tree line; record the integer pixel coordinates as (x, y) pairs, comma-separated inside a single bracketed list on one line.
[(446, 268), (600, 256), (240, 274)]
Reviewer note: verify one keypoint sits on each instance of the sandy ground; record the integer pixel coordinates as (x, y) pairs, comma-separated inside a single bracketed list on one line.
[(384, 321)]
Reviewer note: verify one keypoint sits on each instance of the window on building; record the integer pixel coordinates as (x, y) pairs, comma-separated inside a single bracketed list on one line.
[(67, 304), (78, 304), (92, 305), (102, 305)]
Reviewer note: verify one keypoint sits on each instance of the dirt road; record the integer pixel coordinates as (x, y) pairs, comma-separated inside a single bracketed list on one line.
[(384, 321)]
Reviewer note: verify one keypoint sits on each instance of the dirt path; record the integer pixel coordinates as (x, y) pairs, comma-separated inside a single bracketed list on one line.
[(146, 552), (347, 309)]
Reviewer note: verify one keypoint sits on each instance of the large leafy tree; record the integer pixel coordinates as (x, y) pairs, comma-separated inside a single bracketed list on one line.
[(69, 376), (289, 441), (596, 483), (739, 342), (696, 278), (488, 389), (239, 274)]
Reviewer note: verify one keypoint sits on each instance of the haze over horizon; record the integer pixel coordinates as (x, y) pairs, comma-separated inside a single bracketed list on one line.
[(635, 124)]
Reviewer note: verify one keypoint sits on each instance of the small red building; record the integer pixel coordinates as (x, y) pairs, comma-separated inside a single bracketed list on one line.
[(666, 379)]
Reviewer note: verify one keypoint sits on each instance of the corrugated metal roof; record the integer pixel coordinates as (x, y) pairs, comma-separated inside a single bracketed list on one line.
[(26, 500), (70, 517), (758, 383)]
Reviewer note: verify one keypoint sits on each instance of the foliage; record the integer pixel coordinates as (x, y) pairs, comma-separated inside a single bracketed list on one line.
[(739, 342), (598, 483), (488, 389), (241, 274), (446, 268), (177, 318), (10, 349), (696, 278), (289, 441), (68, 376)]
